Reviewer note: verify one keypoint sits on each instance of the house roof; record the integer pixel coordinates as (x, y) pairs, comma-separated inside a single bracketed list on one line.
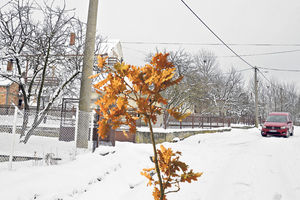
[(113, 48), (5, 82)]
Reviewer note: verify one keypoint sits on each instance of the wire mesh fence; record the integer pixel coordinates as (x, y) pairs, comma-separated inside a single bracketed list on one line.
[(37, 137)]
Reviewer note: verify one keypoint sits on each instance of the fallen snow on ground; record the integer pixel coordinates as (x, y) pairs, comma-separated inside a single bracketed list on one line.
[(239, 165), (240, 126), (36, 147)]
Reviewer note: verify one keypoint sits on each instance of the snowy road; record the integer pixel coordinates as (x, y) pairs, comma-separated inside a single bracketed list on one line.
[(237, 165), (253, 167)]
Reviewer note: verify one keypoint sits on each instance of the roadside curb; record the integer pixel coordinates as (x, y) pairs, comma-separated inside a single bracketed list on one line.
[(160, 137)]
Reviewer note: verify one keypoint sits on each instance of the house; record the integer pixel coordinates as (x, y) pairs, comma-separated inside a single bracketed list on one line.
[(9, 92)]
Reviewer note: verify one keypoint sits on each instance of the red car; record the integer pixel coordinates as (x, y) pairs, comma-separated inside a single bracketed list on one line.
[(278, 124)]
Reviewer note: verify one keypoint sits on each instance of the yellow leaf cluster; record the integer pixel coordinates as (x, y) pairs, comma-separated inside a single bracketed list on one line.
[(141, 85), (102, 61), (173, 172), (178, 115)]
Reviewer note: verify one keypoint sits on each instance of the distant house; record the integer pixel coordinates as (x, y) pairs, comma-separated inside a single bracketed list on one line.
[(9, 92)]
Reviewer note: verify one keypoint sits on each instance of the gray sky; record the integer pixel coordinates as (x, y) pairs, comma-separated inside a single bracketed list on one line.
[(235, 21)]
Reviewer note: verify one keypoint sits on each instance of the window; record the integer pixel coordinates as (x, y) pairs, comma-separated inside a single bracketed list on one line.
[(277, 118)]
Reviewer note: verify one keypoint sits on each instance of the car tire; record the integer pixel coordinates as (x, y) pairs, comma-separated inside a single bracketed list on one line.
[(264, 135), (287, 134)]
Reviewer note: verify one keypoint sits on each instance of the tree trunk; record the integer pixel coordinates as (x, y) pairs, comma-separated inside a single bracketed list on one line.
[(25, 120), (155, 160)]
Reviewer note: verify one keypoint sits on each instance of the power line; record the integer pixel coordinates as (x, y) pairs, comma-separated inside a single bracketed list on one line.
[(291, 93), (216, 35), (4, 5), (267, 53), (137, 50), (239, 71), (264, 76), (209, 44), (243, 55), (265, 68), (244, 70), (281, 70)]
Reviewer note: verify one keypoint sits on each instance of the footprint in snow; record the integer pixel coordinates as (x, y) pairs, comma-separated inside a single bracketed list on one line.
[(243, 184), (277, 197)]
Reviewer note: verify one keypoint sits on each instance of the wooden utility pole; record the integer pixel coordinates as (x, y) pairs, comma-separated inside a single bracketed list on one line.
[(256, 96), (281, 100), (86, 83)]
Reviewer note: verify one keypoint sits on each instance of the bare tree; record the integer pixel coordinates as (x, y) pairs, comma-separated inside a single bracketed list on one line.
[(202, 78), (41, 53), (179, 96), (226, 91)]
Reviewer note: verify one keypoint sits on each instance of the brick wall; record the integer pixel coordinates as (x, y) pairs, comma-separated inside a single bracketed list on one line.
[(2, 95), (124, 137), (12, 91)]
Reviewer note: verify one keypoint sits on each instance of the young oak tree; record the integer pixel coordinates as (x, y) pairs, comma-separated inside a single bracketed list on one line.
[(129, 93)]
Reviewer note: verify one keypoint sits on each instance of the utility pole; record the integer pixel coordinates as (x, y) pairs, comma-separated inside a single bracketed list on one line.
[(281, 101), (256, 96), (86, 83)]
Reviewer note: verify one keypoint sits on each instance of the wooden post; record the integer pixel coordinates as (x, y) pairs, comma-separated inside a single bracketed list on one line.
[(193, 120)]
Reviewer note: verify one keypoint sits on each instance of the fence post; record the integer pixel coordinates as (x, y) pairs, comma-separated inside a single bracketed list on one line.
[(76, 127), (92, 125), (180, 124), (13, 139), (210, 122)]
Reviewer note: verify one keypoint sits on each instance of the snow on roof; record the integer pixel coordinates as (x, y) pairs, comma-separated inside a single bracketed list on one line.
[(5, 82), (113, 48)]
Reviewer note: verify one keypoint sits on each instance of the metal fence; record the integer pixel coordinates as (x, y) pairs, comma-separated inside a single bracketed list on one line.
[(197, 121), (33, 138), (200, 121)]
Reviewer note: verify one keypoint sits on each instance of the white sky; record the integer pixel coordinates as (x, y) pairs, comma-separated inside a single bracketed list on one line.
[(235, 21)]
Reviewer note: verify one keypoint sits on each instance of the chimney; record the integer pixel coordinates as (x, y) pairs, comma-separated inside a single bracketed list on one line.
[(72, 39), (9, 66)]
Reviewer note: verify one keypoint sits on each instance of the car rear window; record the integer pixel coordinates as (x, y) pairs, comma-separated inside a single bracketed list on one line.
[(276, 118)]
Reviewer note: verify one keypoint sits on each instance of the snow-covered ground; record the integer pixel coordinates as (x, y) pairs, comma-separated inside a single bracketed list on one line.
[(239, 165)]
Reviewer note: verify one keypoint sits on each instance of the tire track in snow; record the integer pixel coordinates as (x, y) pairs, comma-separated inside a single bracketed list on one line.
[(78, 191), (259, 168)]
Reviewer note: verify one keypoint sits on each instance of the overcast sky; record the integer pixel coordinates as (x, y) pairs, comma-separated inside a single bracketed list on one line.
[(235, 21)]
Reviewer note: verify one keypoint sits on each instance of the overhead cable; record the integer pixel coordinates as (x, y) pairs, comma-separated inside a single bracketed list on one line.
[(217, 35), (267, 53), (281, 70), (209, 44)]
